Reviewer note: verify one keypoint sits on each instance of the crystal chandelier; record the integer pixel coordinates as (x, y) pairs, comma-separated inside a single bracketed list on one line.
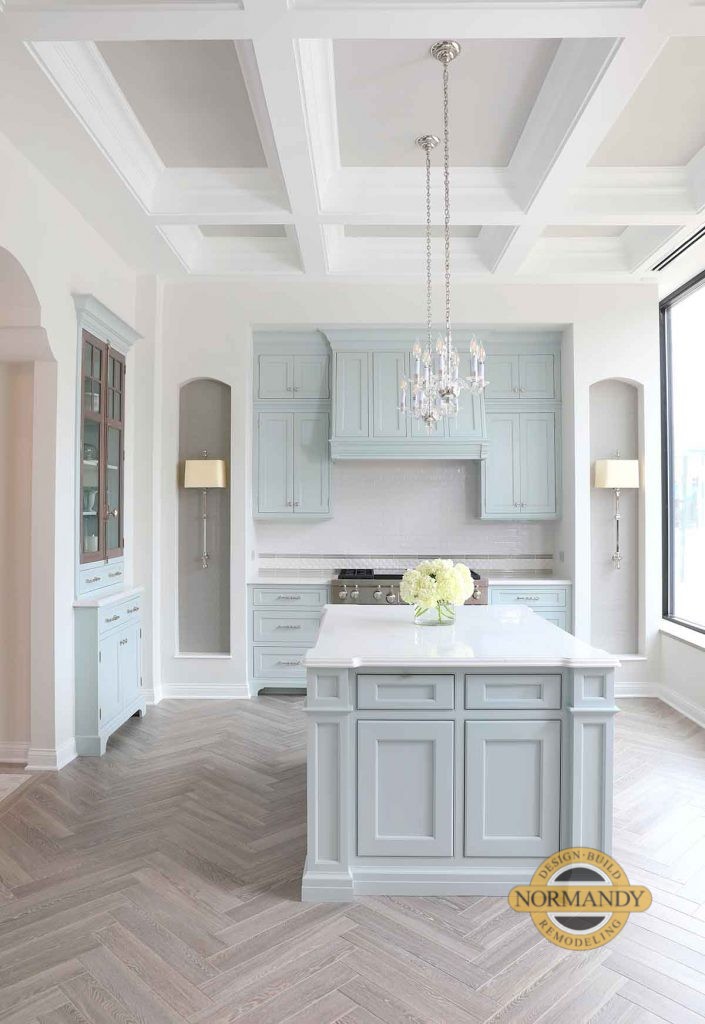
[(432, 389)]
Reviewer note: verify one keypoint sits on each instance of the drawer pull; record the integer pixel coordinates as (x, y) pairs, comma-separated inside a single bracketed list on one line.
[(288, 627), (94, 579), (113, 618), (123, 642), (291, 664), (532, 597), (288, 597), (136, 608), (112, 575)]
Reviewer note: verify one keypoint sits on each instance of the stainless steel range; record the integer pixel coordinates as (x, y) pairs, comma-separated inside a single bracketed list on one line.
[(365, 586)]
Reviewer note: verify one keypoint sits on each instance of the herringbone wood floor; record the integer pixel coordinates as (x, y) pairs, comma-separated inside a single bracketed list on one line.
[(160, 885)]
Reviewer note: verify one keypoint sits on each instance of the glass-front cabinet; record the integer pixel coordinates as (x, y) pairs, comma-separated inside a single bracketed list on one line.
[(101, 461)]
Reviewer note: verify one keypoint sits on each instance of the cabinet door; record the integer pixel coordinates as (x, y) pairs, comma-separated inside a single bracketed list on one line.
[(275, 446), (129, 665), (468, 423), (405, 789), (352, 415), (109, 696), (559, 619), (387, 370), (512, 788), (113, 448), (538, 463), (502, 374), (92, 511), (536, 375), (311, 376), (501, 471), (311, 463), (275, 376)]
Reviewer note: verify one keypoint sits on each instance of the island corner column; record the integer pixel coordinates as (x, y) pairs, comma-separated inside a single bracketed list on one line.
[(590, 757), (330, 787)]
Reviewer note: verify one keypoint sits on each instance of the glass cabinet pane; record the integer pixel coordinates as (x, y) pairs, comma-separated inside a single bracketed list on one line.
[(113, 496), (90, 487)]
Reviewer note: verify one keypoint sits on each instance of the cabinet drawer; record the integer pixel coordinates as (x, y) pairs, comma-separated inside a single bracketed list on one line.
[(95, 577), (541, 597), (289, 597), (275, 627), (120, 614), (278, 663), (558, 618), (404, 692), (513, 691)]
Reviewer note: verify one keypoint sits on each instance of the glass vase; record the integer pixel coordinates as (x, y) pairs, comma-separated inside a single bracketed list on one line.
[(441, 614)]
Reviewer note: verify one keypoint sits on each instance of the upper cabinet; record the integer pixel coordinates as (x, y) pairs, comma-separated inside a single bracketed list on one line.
[(291, 466), (522, 376), (367, 423), (104, 341), (286, 377)]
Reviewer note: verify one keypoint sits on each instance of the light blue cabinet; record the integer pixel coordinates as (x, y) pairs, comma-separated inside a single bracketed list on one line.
[(292, 464), (283, 624), (519, 477), (351, 395), (387, 370), (512, 788), (551, 602), (300, 376), (522, 376)]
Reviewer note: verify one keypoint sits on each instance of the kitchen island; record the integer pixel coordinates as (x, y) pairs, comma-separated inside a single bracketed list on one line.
[(452, 760)]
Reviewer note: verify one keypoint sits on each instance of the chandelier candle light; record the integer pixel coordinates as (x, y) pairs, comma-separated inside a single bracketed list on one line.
[(431, 392)]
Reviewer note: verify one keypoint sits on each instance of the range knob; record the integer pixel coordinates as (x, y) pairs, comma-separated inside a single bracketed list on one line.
[(355, 594), (343, 594), (477, 594), (378, 595), (391, 597)]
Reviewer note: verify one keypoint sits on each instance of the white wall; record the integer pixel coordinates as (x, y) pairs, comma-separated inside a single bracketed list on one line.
[(61, 255), (16, 404), (405, 508), (207, 332), (683, 676)]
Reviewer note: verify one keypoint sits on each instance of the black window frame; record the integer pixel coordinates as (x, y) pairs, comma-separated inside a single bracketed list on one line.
[(694, 284)]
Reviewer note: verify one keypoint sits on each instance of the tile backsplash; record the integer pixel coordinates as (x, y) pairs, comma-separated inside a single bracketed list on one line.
[(390, 513)]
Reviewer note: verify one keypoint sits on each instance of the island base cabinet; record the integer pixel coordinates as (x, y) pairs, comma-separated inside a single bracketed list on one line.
[(405, 789), (512, 788)]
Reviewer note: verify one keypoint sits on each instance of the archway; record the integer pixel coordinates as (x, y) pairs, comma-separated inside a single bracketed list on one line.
[(27, 503)]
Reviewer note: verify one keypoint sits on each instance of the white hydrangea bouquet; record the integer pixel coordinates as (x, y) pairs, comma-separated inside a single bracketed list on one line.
[(435, 588)]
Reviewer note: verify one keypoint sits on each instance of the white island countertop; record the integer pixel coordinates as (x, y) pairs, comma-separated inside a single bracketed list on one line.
[(492, 636)]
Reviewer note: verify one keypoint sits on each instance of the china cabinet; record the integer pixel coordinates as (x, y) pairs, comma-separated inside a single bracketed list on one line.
[(107, 615)]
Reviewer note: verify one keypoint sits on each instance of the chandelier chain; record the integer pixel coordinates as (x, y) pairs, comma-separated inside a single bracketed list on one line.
[(429, 305), (446, 197)]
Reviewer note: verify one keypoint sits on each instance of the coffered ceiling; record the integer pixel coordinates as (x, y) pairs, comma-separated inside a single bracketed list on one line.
[(277, 136)]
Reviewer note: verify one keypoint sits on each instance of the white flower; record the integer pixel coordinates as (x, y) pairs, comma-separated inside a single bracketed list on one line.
[(437, 582)]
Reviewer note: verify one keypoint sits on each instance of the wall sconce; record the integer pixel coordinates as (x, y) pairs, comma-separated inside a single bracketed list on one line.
[(616, 474), (203, 474)]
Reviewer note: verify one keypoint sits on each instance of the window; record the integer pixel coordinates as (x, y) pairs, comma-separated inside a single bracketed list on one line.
[(683, 367)]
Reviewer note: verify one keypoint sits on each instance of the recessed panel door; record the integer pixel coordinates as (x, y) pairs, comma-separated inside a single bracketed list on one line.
[(536, 375), (387, 370), (512, 788), (538, 463), (502, 373), (468, 423), (129, 665), (502, 473), (275, 376), (275, 458), (352, 414), (109, 695), (311, 463), (311, 376), (405, 788)]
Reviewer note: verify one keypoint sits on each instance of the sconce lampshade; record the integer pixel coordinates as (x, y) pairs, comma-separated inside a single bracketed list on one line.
[(205, 473), (616, 473)]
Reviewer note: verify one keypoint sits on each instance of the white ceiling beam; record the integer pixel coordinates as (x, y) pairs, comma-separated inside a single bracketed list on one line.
[(280, 75)]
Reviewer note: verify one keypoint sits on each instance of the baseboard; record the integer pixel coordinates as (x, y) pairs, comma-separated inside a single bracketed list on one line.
[(50, 759), (13, 753), (695, 712), (626, 689), (205, 691)]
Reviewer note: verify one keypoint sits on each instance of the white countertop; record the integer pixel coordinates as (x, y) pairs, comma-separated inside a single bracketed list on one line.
[(482, 637), (100, 598)]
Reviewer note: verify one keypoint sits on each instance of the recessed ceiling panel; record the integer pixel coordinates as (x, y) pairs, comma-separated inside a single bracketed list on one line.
[(191, 100), (243, 230), (388, 92), (583, 231), (663, 125), (408, 231)]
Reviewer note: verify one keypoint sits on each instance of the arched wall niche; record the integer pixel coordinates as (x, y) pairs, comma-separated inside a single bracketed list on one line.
[(27, 509), (615, 414), (204, 594)]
